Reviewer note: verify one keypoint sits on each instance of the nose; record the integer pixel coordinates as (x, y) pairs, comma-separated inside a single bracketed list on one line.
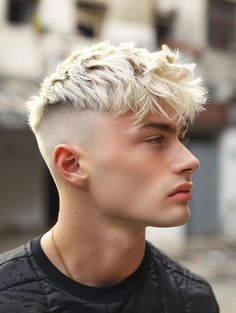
[(185, 161)]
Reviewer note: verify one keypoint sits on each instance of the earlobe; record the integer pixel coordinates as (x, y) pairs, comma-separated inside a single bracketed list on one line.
[(66, 160)]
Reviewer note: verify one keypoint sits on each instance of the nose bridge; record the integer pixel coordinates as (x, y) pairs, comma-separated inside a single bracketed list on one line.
[(185, 160)]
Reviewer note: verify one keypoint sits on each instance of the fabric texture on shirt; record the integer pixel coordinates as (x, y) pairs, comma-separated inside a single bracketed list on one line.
[(30, 283)]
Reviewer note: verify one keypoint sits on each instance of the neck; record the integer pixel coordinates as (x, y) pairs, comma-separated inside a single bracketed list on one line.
[(88, 244)]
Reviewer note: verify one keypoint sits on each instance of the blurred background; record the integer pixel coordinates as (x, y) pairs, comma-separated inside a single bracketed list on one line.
[(36, 34)]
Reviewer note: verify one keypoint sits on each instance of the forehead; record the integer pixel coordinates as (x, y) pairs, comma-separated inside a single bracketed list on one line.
[(156, 121), (126, 124), (169, 117), (171, 122)]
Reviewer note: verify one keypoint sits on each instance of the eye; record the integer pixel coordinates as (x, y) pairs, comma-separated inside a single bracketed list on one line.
[(155, 140)]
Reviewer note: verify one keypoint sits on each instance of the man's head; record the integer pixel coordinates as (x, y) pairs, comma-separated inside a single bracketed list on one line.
[(89, 120)]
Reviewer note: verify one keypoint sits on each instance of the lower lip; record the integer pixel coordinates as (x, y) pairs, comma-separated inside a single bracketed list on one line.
[(183, 196)]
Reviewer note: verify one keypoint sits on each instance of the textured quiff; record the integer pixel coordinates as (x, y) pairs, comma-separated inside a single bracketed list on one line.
[(118, 79)]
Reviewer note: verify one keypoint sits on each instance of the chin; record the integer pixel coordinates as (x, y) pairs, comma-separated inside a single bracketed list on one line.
[(181, 216), (175, 217)]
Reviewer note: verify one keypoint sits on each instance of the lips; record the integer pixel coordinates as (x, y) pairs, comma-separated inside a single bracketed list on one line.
[(182, 192)]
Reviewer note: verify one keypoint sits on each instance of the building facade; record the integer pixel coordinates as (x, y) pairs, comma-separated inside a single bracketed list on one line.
[(34, 39)]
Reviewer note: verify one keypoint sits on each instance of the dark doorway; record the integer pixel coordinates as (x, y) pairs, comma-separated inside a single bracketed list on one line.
[(53, 202)]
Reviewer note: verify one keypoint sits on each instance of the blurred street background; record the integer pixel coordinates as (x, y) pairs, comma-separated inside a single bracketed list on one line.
[(37, 34)]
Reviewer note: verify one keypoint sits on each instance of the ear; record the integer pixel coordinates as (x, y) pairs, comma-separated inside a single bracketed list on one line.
[(67, 162)]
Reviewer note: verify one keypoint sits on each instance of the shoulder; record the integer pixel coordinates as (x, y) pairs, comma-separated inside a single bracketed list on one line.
[(194, 292), (7, 256), (20, 288), (10, 262), (16, 267)]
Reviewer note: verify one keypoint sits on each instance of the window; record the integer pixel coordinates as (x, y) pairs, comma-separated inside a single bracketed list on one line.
[(90, 17), (222, 24), (21, 11), (164, 26)]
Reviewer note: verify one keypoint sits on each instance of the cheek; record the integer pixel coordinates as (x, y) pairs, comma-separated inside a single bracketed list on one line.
[(113, 178), (125, 181)]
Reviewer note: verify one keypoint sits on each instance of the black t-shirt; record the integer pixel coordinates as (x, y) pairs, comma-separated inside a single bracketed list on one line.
[(29, 282), (105, 295)]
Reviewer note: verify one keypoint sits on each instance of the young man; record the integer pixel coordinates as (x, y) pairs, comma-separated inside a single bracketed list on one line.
[(110, 124)]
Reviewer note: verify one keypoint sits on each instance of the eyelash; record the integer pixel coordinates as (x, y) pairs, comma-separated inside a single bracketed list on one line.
[(155, 140), (159, 140)]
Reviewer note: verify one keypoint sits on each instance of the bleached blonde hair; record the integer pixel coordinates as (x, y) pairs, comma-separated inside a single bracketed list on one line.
[(118, 79)]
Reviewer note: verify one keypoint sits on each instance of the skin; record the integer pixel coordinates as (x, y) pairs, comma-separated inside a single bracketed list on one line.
[(112, 188)]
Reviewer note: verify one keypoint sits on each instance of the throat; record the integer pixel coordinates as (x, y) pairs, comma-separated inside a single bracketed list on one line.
[(98, 263), (108, 263)]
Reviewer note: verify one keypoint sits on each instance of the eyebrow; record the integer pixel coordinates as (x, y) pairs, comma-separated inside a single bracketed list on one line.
[(164, 127)]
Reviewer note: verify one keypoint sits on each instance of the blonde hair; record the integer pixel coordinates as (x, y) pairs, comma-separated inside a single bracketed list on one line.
[(118, 79)]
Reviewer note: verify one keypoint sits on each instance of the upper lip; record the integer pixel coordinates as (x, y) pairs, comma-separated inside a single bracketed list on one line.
[(184, 187)]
